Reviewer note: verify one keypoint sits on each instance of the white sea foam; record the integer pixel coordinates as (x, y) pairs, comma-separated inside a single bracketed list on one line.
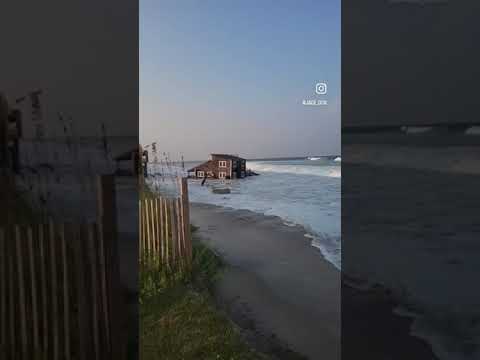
[(300, 169), (330, 247), (452, 342)]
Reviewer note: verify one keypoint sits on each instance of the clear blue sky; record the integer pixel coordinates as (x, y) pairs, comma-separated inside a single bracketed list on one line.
[(230, 76)]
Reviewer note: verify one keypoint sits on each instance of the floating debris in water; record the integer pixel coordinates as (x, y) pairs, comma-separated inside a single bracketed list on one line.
[(221, 191)]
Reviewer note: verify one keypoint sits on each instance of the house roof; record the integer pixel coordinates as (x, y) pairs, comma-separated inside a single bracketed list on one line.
[(228, 156)]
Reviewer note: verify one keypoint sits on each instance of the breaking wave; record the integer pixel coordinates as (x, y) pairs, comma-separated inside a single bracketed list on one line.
[(322, 170)]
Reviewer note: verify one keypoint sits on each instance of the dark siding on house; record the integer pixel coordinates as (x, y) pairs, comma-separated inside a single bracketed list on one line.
[(234, 167)]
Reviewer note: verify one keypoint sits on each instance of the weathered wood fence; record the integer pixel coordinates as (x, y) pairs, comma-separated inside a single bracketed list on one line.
[(165, 235), (59, 288)]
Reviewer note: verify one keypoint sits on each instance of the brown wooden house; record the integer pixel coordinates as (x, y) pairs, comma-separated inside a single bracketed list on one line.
[(220, 166)]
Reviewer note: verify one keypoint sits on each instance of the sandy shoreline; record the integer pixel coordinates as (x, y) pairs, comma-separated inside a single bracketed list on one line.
[(276, 282), (284, 295)]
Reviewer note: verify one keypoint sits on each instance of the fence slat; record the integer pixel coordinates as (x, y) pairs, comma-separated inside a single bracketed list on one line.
[(108, 218), (43, 287), (54, 288), (82, 311), (178, 210), (33, 289), (21, 293), (103, 287), (145, 230), (151, 220), (162, 234), (173, 219), (186, 218), (149, 230), (3, 291), (167, 235), (94, 286), (66, 295), (11, 300), (140, 225), (154, 228), (157, 232)]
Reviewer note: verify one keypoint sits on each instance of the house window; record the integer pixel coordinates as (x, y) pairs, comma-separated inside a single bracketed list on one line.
[(222, 175), (201, 174), (222, 163)]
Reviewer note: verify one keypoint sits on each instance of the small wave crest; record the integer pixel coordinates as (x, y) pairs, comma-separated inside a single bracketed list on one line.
[(328, 171), (330, 248)]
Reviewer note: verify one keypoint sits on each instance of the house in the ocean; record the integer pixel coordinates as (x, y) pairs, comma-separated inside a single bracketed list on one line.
[(220, 166)]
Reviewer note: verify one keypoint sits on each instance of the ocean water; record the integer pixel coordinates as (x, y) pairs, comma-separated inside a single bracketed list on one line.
[(300, 191), (414, 244)]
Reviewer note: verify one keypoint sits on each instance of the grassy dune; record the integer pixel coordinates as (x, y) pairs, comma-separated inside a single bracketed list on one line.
[(178, 319)]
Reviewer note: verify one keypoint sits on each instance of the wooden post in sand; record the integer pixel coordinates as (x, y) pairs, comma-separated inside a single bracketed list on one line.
[(166, 232), (186, 219), (163, 239)]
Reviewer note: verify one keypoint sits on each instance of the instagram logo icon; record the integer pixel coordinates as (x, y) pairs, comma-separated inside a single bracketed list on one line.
[(321, 88)]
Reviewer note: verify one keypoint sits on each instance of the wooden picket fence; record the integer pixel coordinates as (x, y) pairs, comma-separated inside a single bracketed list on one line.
[(165, 235), (59, 288)]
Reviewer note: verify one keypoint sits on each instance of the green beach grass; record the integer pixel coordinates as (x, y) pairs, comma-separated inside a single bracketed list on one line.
[(178, 318)]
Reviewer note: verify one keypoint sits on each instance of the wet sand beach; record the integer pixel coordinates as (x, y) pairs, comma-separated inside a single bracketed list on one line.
[(283, 295), (275, 283)]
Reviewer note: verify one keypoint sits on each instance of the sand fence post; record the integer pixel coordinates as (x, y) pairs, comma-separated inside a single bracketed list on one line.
[(180, 233), (140, 229), (187, 238), (173, 224), (82, 345), (166, 232), (161, 232)]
